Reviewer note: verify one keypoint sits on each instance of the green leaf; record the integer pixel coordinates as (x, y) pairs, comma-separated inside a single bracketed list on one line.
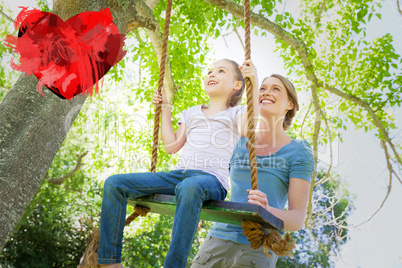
[(278, 18)]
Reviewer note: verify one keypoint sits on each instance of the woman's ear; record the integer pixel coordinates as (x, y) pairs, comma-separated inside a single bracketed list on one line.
[(290, 106)]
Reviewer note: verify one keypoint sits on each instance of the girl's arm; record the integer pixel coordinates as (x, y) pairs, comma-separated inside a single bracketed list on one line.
[(172, 142), (248, 70), (293, 218)]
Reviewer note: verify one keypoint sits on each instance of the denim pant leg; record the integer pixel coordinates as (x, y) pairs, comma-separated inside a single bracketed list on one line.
[(117, 189), (190, 194)]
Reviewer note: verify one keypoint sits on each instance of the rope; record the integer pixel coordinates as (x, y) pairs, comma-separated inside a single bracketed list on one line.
[(138, 211), (273, 240), (90, 258), (256, 235), (249, 91), (162, 68)]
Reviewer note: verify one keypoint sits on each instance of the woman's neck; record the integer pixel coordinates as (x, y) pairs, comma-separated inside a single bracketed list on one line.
[(271, 133)]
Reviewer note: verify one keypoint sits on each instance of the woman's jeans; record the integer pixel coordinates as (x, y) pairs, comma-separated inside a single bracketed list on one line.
[(191, 187)]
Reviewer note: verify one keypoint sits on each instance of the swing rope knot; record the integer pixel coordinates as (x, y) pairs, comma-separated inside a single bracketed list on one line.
[(272, 240), (138, 211)]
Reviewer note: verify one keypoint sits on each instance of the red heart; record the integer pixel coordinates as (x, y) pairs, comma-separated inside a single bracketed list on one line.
[(70, 56)]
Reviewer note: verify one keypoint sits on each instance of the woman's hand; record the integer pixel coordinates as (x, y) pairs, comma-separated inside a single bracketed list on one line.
[(159, 98), (248, 70), (256, 197)]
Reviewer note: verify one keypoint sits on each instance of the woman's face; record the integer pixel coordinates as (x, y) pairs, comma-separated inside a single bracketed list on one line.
[(273, 97)]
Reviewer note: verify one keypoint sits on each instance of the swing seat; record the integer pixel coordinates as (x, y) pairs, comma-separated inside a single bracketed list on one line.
[(213, 210)]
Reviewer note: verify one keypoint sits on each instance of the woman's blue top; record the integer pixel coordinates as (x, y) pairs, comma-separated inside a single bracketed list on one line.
[(294, 160)]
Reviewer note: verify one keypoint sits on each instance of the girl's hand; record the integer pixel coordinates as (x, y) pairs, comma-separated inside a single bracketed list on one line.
[(157, 98), (248, 70), (256, 197)]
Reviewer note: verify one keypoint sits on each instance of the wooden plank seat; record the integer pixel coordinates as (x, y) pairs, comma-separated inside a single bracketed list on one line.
[(213, 210)]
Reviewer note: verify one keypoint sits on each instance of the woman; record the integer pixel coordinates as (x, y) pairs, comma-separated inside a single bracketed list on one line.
[(285, 168)]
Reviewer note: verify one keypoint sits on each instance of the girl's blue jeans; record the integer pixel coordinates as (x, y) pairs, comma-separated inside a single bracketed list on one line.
[(191, 188)]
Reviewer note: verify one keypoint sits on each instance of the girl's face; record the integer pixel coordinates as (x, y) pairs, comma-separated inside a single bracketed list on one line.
[(273, 97), (220, 80)]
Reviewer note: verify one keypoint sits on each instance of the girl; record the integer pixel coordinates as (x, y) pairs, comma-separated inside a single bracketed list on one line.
[(207, 135)]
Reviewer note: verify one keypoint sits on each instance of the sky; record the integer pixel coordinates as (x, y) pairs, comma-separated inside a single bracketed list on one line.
[(359, 159)]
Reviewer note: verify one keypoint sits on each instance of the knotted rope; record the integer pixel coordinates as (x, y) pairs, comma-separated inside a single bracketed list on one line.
[(256, 235), (138, 211)]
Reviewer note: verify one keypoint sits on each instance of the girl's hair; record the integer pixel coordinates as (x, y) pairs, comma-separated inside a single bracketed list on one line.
[(292, 95), (235, 98)]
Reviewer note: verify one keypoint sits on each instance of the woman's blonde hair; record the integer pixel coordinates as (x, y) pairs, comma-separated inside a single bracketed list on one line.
[(292, 95)]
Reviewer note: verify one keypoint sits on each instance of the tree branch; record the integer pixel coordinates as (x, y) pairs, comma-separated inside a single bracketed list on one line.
[(224, 39), (151, 3), (304, 119), (318, 242), (377, 122), (399, 7), (6, 16), (143, 20), (60, 180), (380, 107), (327, 174), (319, 14), (156, 39), (237, 33), (317, 125), (389, 165)]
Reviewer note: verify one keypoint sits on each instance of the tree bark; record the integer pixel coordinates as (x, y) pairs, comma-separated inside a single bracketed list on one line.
[(33, 127)]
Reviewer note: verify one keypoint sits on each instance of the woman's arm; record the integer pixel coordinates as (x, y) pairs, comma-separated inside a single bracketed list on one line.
[(172, 141), (248, 70), (293, 218)]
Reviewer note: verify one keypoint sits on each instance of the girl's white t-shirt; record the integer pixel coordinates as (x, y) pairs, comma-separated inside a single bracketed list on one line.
[(210, 141)]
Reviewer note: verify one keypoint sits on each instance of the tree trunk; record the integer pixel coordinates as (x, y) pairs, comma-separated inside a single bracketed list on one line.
[(32, 130), (33, 127)]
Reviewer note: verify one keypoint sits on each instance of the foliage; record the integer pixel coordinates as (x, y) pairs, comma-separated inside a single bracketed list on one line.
[(148, 242), (44, 240), (54, 229), (7, 76), (343, 57)]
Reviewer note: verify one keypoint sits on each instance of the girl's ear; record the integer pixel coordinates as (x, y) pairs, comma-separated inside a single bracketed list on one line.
[(290, 106), (238, 85)]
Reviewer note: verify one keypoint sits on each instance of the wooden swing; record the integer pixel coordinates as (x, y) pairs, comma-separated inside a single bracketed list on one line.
[(252, 217)]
